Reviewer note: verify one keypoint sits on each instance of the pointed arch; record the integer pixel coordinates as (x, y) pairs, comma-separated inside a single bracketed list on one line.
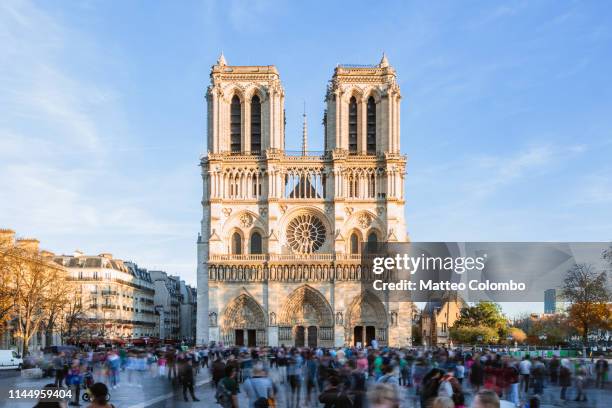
[(235, 124), (255, 124), (352, 125), (371, 126), (306, 306)]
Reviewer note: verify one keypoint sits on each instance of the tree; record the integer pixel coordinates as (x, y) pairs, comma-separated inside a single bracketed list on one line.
[(482, 315), (517, 334), (588, 293), (36, 280), (474, 334)]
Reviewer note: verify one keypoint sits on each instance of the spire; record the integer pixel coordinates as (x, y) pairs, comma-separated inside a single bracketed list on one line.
[(221, 61), (304, 133), (384, 62)]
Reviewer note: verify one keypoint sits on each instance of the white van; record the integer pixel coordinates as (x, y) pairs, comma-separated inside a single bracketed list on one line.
[(9, 359)]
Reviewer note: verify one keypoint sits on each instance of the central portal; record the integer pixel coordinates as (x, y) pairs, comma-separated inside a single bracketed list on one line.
[(312, 336)]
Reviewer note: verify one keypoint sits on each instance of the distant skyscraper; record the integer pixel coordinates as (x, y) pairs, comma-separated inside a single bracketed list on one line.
[(550, 301)]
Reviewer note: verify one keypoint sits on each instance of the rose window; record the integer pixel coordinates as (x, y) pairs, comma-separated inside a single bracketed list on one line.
[(305, 234)]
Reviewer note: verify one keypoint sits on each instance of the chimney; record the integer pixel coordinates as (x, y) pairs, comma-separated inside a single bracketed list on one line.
[(7, 237), (29, 244)]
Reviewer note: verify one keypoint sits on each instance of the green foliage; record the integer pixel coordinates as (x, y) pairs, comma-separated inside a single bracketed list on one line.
[(470, 334), (487, 314)]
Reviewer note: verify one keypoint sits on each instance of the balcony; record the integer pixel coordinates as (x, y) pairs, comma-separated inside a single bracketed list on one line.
[(108, 292), (314, 257)]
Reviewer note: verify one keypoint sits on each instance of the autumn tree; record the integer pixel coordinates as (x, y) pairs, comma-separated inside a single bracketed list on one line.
[(36, 280), (588, 293), (482, 320)]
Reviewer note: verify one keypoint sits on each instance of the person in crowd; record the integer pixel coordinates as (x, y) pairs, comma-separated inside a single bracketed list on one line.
[(538, 372), (383, 396), (443, 402), (74, 379), (524, 372), (60, 367), (565, 378), (460, 371), (217, 371), (259, 388), (334, 396), (486, 399), (553, 370), (204, 356), (186, 375), (581, 379), (227, 389), (477, 375), (100, 398), (601, 371)]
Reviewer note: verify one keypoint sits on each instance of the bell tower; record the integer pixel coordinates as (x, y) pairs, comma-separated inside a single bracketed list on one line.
[(245, 109), (363, 105)]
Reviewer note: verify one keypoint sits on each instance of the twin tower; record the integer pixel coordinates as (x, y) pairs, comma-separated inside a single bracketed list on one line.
[(282, 232)]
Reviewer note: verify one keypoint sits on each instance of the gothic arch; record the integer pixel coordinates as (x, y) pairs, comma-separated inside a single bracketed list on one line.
[(232, 90), (243, 313), (373, 92), (306, 306), (366, 311)]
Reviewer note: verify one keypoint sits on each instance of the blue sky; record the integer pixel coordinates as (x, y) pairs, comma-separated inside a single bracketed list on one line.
[(506, 113)]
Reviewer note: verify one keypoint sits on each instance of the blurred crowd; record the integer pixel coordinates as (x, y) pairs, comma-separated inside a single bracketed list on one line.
[(340, 378)]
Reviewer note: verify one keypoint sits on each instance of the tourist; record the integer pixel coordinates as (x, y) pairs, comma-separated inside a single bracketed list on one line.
[(443, 402), (187, 379), (476, 375), (334, 396), (99, 393), (601, 371), (525, 371), (60, 367), (383, 396), (217, 371), (227, 389), (259, 387), (486, 399), (553, 370), (565, 377), (295, 364), (581, 380), (46, 403)]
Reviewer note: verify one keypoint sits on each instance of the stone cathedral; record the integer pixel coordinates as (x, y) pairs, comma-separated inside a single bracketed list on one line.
[(282, 231)]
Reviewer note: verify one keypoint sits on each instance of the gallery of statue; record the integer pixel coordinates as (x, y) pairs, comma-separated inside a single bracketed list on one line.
[(279, 252)]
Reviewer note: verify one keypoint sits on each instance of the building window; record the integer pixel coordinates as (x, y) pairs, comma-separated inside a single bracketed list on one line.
[(256, 247), (354, 243), (372, 242), (235, 125), (255, 125), (352, 128), (236, 244), (371, 126)]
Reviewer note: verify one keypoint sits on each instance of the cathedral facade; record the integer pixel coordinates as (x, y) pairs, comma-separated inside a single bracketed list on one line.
[(282, 232)]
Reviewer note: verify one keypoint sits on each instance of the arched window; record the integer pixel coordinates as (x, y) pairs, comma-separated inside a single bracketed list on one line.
[(372, 242), (352, 125), (236, 244), (371, 126), (255, 125), (354, 243), (235, 125), (256, 247)]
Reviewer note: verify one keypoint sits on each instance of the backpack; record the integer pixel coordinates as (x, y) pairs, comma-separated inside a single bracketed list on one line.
[(260, 402), (223, 396)]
